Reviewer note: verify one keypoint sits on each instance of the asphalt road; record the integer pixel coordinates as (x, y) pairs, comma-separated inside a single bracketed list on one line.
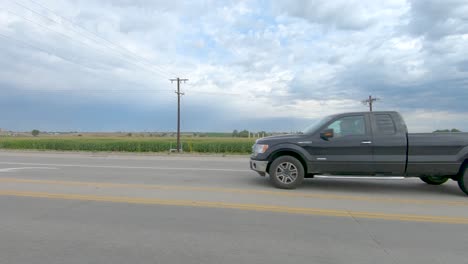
[(85, 208)]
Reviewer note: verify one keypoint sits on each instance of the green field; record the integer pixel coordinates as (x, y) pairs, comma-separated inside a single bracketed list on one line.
[(129, 144)]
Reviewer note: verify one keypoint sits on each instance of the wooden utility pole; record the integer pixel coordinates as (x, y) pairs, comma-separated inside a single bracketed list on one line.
[(370, 102), (179, 94)]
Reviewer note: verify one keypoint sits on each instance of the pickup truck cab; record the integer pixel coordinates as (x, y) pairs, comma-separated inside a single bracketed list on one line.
[(362, 143)]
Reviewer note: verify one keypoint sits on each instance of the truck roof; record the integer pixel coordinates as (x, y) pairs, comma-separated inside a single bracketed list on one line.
[(366, 112)]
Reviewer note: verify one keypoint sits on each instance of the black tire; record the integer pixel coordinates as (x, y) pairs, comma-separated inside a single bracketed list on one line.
[(463, 181), (286, 172), (434, 180)]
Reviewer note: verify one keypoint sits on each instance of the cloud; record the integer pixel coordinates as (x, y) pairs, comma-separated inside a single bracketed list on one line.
[(251, 64), (340, 14), (421, 120), (437, 19)]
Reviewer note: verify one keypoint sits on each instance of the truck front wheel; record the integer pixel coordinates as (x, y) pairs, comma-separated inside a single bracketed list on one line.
[(434, 180), (286, 172), (463, 181)]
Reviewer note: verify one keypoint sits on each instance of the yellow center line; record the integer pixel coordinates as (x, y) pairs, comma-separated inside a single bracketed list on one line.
[(247, 207), (238, 191)]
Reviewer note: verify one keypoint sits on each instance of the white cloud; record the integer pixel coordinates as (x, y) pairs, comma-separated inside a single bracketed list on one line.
[(421, 120), (436, 19), (342, 14), (298, 59)]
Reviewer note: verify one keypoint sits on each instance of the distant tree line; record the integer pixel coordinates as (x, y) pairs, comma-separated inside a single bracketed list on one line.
[(239, 134), (453, 130), (245, 133)]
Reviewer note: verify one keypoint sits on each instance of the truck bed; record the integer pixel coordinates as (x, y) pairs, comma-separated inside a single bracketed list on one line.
[(436, 153)]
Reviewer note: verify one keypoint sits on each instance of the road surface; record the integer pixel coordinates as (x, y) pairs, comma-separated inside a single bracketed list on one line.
[(99, 208)]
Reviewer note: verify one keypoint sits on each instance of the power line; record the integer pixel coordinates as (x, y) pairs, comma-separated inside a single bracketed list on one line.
[(116, 47), (163, 74), (74, 63), (101, 90), (81, 42), (119, 48), (215, 93), (178, 80), (89, 91), (370, 101), (43, 50)]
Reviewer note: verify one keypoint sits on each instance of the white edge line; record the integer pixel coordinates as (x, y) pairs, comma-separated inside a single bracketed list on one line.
[(120, 167), (26, 168), (361, 177)]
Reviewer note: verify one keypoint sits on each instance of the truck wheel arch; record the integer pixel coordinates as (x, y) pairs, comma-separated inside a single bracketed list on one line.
[(287, 152), (463, 178), (461, 171)]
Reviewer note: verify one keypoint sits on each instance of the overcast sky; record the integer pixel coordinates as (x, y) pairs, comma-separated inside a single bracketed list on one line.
[(87, 65)]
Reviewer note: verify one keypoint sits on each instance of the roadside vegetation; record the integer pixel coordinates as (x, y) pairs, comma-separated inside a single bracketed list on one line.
[(130, 144)]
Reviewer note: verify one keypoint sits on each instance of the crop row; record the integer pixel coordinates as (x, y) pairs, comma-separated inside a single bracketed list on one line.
[(128, 145)]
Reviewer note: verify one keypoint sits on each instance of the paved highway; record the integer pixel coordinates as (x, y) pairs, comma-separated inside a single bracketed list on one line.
[(99, 208)]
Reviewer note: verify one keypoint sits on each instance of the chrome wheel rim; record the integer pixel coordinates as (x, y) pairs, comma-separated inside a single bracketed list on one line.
[(286, 172)]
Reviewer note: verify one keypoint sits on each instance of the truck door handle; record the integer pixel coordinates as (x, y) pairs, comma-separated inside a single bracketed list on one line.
[(366, 142)]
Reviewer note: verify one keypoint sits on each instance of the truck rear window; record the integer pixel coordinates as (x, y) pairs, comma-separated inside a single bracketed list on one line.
[(385, 124)]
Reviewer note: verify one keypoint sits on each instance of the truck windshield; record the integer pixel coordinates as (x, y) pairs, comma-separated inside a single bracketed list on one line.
[(312, 128)]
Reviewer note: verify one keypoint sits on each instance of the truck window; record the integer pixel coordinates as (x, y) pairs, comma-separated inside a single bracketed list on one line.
[(349, 126), (385, 124)]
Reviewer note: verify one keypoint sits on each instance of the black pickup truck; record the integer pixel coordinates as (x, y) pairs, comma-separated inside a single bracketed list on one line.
[(366, 143)]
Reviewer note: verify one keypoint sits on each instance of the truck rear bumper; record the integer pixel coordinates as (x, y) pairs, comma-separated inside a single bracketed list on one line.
[(259, 166)]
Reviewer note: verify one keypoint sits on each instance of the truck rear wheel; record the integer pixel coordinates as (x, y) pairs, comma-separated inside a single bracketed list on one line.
[(286, 172), (463, 181), (434, 180)]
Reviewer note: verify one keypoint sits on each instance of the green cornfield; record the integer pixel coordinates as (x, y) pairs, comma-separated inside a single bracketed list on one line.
[(122, 144)]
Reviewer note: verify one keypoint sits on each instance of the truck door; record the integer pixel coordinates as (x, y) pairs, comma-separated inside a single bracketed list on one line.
[(389, 145), (349, 151)]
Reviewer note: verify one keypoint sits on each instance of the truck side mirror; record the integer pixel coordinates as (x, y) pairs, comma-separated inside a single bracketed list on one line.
[(327, 133)]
